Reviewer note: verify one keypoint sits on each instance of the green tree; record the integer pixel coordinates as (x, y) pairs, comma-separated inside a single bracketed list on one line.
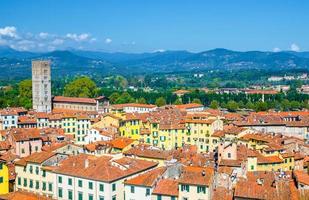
[(81, 87), (113, 97), (295, 105), (232, 106), (241, 104), (196, 100), (125, 98), (160, 101), (142, 100), (214, 104), (120, 82), (250, 105), (285, 105), (178, 101), (25, 93), (261, 106), (25, 88)]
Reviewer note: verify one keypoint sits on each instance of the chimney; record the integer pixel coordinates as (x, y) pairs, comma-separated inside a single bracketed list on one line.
[(86, 163)]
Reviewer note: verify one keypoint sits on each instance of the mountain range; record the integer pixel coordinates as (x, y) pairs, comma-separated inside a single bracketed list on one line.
[(15, 63)]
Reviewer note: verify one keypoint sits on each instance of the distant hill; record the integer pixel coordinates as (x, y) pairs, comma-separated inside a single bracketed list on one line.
[(71, 62)]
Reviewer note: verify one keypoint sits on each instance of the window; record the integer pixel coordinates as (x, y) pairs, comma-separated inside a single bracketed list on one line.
[(19, 181), (50, 187), (101, 188), (147, 192), (114, 187), (25, 182), (90, 185), (90, 197), (44, 173), (80, 196), (30, 169), (44, 186), (229, 155), (252, 167), (60, 192), (114, 197), (80, 183), (70, 181), (59, 179), (1, 166), (201, 189), (1, 179), (185, 188), (159, 197), (173, 198), (101, 198), (37, 185), (132, 189), (37, 170), (70, 194), (31, 183)]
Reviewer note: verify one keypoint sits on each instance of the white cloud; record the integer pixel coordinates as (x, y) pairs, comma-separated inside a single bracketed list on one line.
[(108, 40), (294, 47), (160, 50), (9, 31), (3, 42), (42, 41), (57, 41), (78, 38), (43, 35), (276, 49)]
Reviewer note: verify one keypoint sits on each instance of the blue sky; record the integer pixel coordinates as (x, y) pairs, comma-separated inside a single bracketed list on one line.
[(152, 25)]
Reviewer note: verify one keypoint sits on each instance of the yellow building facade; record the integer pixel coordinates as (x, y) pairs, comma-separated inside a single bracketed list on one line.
[(4, 178)]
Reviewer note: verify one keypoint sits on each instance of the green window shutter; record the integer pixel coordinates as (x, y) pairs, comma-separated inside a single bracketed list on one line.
[(101, 188)]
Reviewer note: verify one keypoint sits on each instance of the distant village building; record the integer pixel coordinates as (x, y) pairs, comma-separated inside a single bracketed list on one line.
[(180, 93), (133, 107), (275, 78), (99, 104), (41, 86)]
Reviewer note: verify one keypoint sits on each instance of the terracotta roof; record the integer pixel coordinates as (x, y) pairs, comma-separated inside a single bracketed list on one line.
[(27, 120), (166, 187), (138, 105), (22, 134), (197, 175), (225, 170), (147, 179), (147, 151), (110, 170), (269, 159), (8, 157), (301, 177), (251, 190), (37, 157), (121, 142), (53, 146), (218, 133), (5, 145), (261, 91), (21, 195), (74, 100), (221, 193), (230, 163), (189, 105)]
